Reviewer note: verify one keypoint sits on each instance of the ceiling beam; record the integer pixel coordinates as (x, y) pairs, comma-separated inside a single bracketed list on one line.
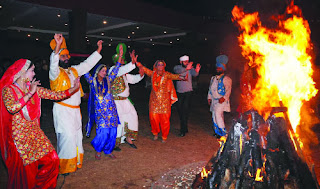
[(36, 30), (107, 37), (161, 36), (111, 27)]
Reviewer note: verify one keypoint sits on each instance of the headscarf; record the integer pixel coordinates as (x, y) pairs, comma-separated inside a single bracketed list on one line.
[(115, 57), (222, 60), (9, 77), (63, 47), (91, 109), (170, 86)]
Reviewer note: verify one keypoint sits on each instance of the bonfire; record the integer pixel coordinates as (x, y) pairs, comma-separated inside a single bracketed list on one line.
[(263, 148)]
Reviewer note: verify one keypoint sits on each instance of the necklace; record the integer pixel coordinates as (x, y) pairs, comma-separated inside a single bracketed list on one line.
[(25, 91)]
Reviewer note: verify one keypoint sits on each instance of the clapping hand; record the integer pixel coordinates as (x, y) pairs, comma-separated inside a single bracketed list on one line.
[(33, 86), (133, 57), (189, 66), (198, 67)]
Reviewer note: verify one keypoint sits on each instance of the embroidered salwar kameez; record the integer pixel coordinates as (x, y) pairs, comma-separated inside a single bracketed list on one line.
[(105, 112), (28, 154), (162, 96)]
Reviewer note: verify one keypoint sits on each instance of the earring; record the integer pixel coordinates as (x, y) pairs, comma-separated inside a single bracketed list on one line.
[(26, 80)]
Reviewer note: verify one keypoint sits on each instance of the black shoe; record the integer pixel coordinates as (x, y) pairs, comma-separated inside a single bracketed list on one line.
[(117, 148), (182, 134), (131, 145), (66, 174)]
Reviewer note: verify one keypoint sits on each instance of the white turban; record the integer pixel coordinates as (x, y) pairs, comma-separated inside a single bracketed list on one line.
[(184, 58)]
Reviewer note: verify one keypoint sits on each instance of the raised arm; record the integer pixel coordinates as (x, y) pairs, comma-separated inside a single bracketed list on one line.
[(114, 72), (133, 79), (147, 71), (54, 58), (90, 62)]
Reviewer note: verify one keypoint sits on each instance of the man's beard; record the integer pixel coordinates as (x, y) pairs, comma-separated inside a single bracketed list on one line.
[(64, 64)]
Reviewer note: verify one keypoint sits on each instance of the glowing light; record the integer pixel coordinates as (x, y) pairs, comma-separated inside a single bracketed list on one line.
[(282, 58), (104, 22)]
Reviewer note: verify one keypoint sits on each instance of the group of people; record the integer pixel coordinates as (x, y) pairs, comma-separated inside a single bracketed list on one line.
[(31, 159)]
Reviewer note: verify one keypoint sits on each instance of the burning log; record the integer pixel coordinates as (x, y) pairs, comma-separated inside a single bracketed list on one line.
[(257, 154)]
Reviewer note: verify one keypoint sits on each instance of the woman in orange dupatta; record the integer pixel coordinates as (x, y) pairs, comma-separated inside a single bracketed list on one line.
[(163, 95), (29, 156)]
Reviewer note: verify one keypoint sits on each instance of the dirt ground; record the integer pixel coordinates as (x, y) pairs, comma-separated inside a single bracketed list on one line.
[(152, 161)]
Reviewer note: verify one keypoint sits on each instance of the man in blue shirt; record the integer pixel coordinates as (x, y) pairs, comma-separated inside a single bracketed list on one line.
[(184, 90)]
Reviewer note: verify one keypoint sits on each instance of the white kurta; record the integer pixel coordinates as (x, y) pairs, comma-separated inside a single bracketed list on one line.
[(68, 121), (126, 111), (216, 108)]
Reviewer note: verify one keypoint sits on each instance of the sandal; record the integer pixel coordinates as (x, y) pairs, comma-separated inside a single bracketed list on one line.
[(98, 156)]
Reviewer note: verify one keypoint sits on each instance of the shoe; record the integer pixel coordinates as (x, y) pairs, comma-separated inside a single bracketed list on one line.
[(66, 174), (155, 137), (131, 145), (117, 148), (164, 141), (111, 156), (182, 134), (98, 156)]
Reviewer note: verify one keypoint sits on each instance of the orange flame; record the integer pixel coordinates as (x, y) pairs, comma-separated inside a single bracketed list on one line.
[(204, 173), (258, 176), (281, 58), (294, 143), (240, 144)]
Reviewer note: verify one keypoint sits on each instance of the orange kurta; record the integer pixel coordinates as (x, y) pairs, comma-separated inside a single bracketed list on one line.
[(162, 96)]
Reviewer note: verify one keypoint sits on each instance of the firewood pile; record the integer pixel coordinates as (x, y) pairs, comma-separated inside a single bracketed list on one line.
[(258, 153)]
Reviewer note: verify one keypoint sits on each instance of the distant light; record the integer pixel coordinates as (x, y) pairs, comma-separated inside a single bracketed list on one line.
[(129, 46), (109, 44), (104, 22), (153, 44), (37, 39), (102, 33), (165, 32), (132, 32), (170, 42), (178, 39), (0, 6), (110, 39), (137, 27), (88, 40), (58, 15), (128, 36), (150, 39), (29, 35), (66, 24), (31, 26), (86, 37), (205, 39)]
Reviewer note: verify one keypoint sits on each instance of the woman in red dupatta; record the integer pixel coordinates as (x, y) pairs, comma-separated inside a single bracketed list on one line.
[(163, 95), (31, 160)]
